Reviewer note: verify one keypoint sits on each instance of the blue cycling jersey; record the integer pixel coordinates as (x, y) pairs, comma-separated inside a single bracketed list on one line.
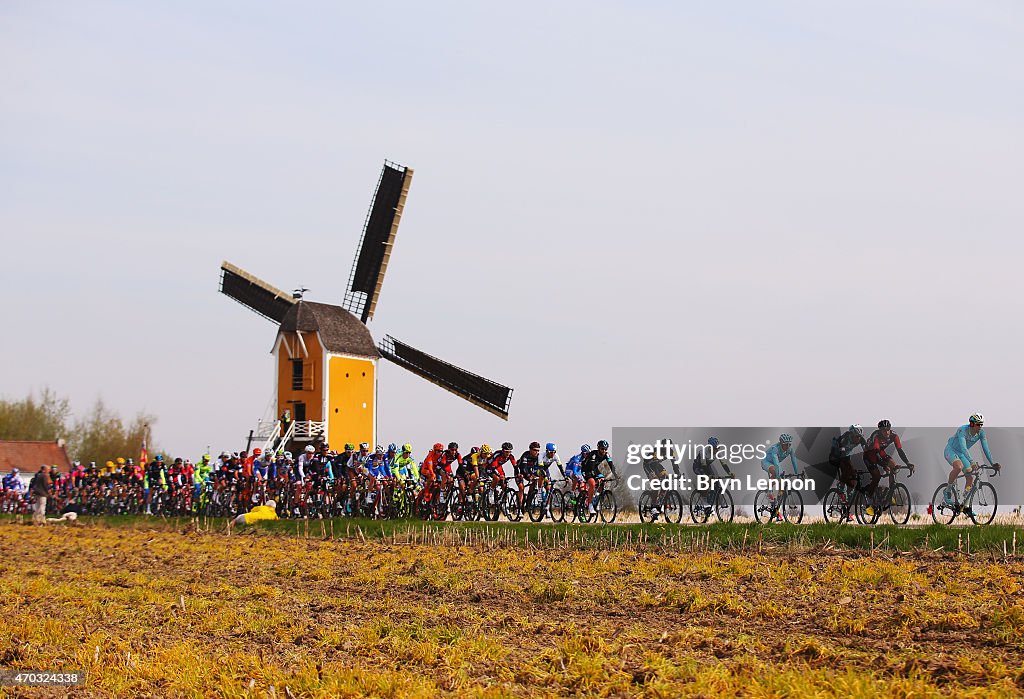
[(573, 467), (962, 440), (775, 456)]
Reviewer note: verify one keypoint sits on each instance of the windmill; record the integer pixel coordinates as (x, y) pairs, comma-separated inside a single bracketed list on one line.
[(326, 358)]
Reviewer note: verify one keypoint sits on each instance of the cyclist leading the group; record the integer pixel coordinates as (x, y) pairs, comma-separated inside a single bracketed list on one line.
[(958, 455)]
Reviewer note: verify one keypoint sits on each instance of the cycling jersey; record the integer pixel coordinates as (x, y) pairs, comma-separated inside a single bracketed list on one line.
[(591, 466), (844, 444), (12, 482), (379, 469), (875, 453), (962, 440), (573, 467), (548, 461), (469, 465), (776, 455), (498, 461), (260, 512), (446, 459), (528, 466), (405, 467)]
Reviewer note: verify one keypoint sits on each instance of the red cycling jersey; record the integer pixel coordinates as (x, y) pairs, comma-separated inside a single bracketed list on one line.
[(875, 453), (499, 460)]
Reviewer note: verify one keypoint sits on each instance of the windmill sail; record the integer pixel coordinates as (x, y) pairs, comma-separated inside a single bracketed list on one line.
[(379, 233), (484, 393), (269, 301)]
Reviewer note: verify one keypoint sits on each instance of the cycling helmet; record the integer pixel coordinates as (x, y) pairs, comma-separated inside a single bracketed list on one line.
[(884, 425), (379, 449), (130, 462), (535, 445), (474, 450), (453, 445), (120, 460), (160, 457), (602, 444), (858, 429), (257, 451), (110, 465), (392, 447), (407, 448), (713, 441), (280, 453), (310, 449), (272, 504), (178, 461), (288, 455), (785, 438), (350, 447), (485, 448), (15, 470), (977, 419), (550, 446), (506, 446), (585, 449), (438, 446), (363, 446)]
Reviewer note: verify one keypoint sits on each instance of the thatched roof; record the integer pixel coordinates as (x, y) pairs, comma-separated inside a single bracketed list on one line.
[(339, 330)]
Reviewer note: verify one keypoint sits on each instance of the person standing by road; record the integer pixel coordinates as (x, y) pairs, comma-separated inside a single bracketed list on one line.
[(39, 489)]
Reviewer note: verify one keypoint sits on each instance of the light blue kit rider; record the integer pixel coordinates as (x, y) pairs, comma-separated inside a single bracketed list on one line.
[(777, 453), (958, 455)]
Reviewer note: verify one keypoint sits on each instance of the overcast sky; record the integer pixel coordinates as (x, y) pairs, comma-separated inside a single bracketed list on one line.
[(655, 213)]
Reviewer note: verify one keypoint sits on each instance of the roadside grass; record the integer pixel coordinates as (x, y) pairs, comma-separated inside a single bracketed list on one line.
[(995, 540)]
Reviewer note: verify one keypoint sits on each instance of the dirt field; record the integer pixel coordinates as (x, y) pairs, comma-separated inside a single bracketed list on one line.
[(175, 614)]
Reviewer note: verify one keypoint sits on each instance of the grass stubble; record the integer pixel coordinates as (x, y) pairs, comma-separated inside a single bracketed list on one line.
[(168, 612)]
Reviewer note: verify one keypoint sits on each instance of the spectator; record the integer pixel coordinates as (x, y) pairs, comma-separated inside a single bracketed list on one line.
[(39, 488)]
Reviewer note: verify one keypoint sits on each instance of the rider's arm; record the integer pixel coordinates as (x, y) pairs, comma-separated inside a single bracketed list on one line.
[(792, 460), (899, 449), (984, 448), (961, 442)]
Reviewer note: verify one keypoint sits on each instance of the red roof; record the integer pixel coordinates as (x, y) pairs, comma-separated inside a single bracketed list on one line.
[(29, 456)]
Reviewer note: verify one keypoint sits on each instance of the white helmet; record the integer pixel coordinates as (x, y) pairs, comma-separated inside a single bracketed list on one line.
[(271, 503), (310, 449), (858, 429), (978, 419)]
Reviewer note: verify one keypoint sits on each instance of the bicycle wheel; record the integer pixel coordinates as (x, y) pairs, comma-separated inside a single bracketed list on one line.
[(607, 507), (724, 507), (793, 507), (510, 505), (942, 512), (557, 506), (699, 511), (645, 506), (983, 504), (765, 507), (536, 504), (833, 507), (673, 507), (861, 502), (899, 505)]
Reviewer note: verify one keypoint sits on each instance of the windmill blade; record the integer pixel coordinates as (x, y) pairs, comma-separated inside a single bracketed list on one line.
[(379, 233), (269, 301), (484, 393)]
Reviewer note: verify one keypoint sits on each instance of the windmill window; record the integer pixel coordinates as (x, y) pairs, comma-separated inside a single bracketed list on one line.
[(302, 375)]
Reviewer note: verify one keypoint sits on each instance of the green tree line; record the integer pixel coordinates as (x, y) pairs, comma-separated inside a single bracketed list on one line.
[(99, 435)]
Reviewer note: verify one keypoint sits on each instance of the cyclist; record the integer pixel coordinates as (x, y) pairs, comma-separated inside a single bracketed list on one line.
[(446, 460), (551, 459), (404, 467), (526, 469), (875, 455), (958, 454), (498, 461), (468, 473), (256, 514), (839, 457), (704, 465), (155, 480), (776, 454), (592, 473), (655, 470), (573, 467)]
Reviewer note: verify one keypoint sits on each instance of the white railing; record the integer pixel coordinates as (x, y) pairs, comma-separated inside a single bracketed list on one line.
[(309, 429)]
